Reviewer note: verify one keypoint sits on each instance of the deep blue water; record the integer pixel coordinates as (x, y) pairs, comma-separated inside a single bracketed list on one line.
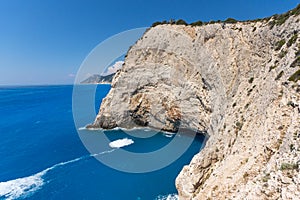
[(42, 156)]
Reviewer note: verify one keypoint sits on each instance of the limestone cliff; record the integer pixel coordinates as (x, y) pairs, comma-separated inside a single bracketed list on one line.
[(238, 83)]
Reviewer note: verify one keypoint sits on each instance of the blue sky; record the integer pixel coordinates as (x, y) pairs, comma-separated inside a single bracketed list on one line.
[(44, 42)]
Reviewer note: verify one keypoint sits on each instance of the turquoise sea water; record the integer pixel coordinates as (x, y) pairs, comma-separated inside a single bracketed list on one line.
[(42, 156)]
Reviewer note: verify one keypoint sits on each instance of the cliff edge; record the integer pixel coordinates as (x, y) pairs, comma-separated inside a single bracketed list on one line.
[(236, 82)]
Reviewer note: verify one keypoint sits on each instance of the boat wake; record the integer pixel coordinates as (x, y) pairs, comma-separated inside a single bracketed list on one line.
[(121, 143), (26, 186)]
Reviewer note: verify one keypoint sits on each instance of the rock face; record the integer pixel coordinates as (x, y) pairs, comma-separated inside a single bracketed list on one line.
[(233, 83), (159, 86)]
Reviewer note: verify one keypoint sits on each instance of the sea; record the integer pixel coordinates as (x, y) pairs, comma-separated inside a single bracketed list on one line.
[(43, 156)]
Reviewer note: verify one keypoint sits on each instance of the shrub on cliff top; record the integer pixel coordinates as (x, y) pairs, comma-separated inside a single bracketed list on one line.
[(197, 23), (230, 21), (171, 21), (275, 19), (181, 22), (155, 24), (280, 19), (296, 11), (159, 23)]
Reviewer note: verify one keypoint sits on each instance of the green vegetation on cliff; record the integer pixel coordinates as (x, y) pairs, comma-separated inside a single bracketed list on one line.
[(277, 19)]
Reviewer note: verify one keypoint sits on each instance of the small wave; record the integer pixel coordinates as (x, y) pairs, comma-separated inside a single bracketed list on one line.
[(133, 128), (121, 143), (167, 197), (91, 129), (26, 186), (146, 129), (82, 128), (169, 135)]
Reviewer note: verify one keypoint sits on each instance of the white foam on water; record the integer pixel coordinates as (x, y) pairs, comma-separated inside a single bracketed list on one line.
[(82, 128), (104, 152), (169, 135), (167, 197), (132, 129), (92, 129), (146, 129), (26, 186), (121, 143)]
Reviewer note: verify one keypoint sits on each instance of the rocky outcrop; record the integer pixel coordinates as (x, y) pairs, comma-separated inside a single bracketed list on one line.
[(159, 86), (238, 83), (98, 79)]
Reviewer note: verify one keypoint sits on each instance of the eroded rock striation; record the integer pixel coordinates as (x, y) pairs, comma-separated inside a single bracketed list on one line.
[(238, 83)]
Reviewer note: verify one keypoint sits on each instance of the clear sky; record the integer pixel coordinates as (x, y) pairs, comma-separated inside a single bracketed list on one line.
[(44, 42)]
